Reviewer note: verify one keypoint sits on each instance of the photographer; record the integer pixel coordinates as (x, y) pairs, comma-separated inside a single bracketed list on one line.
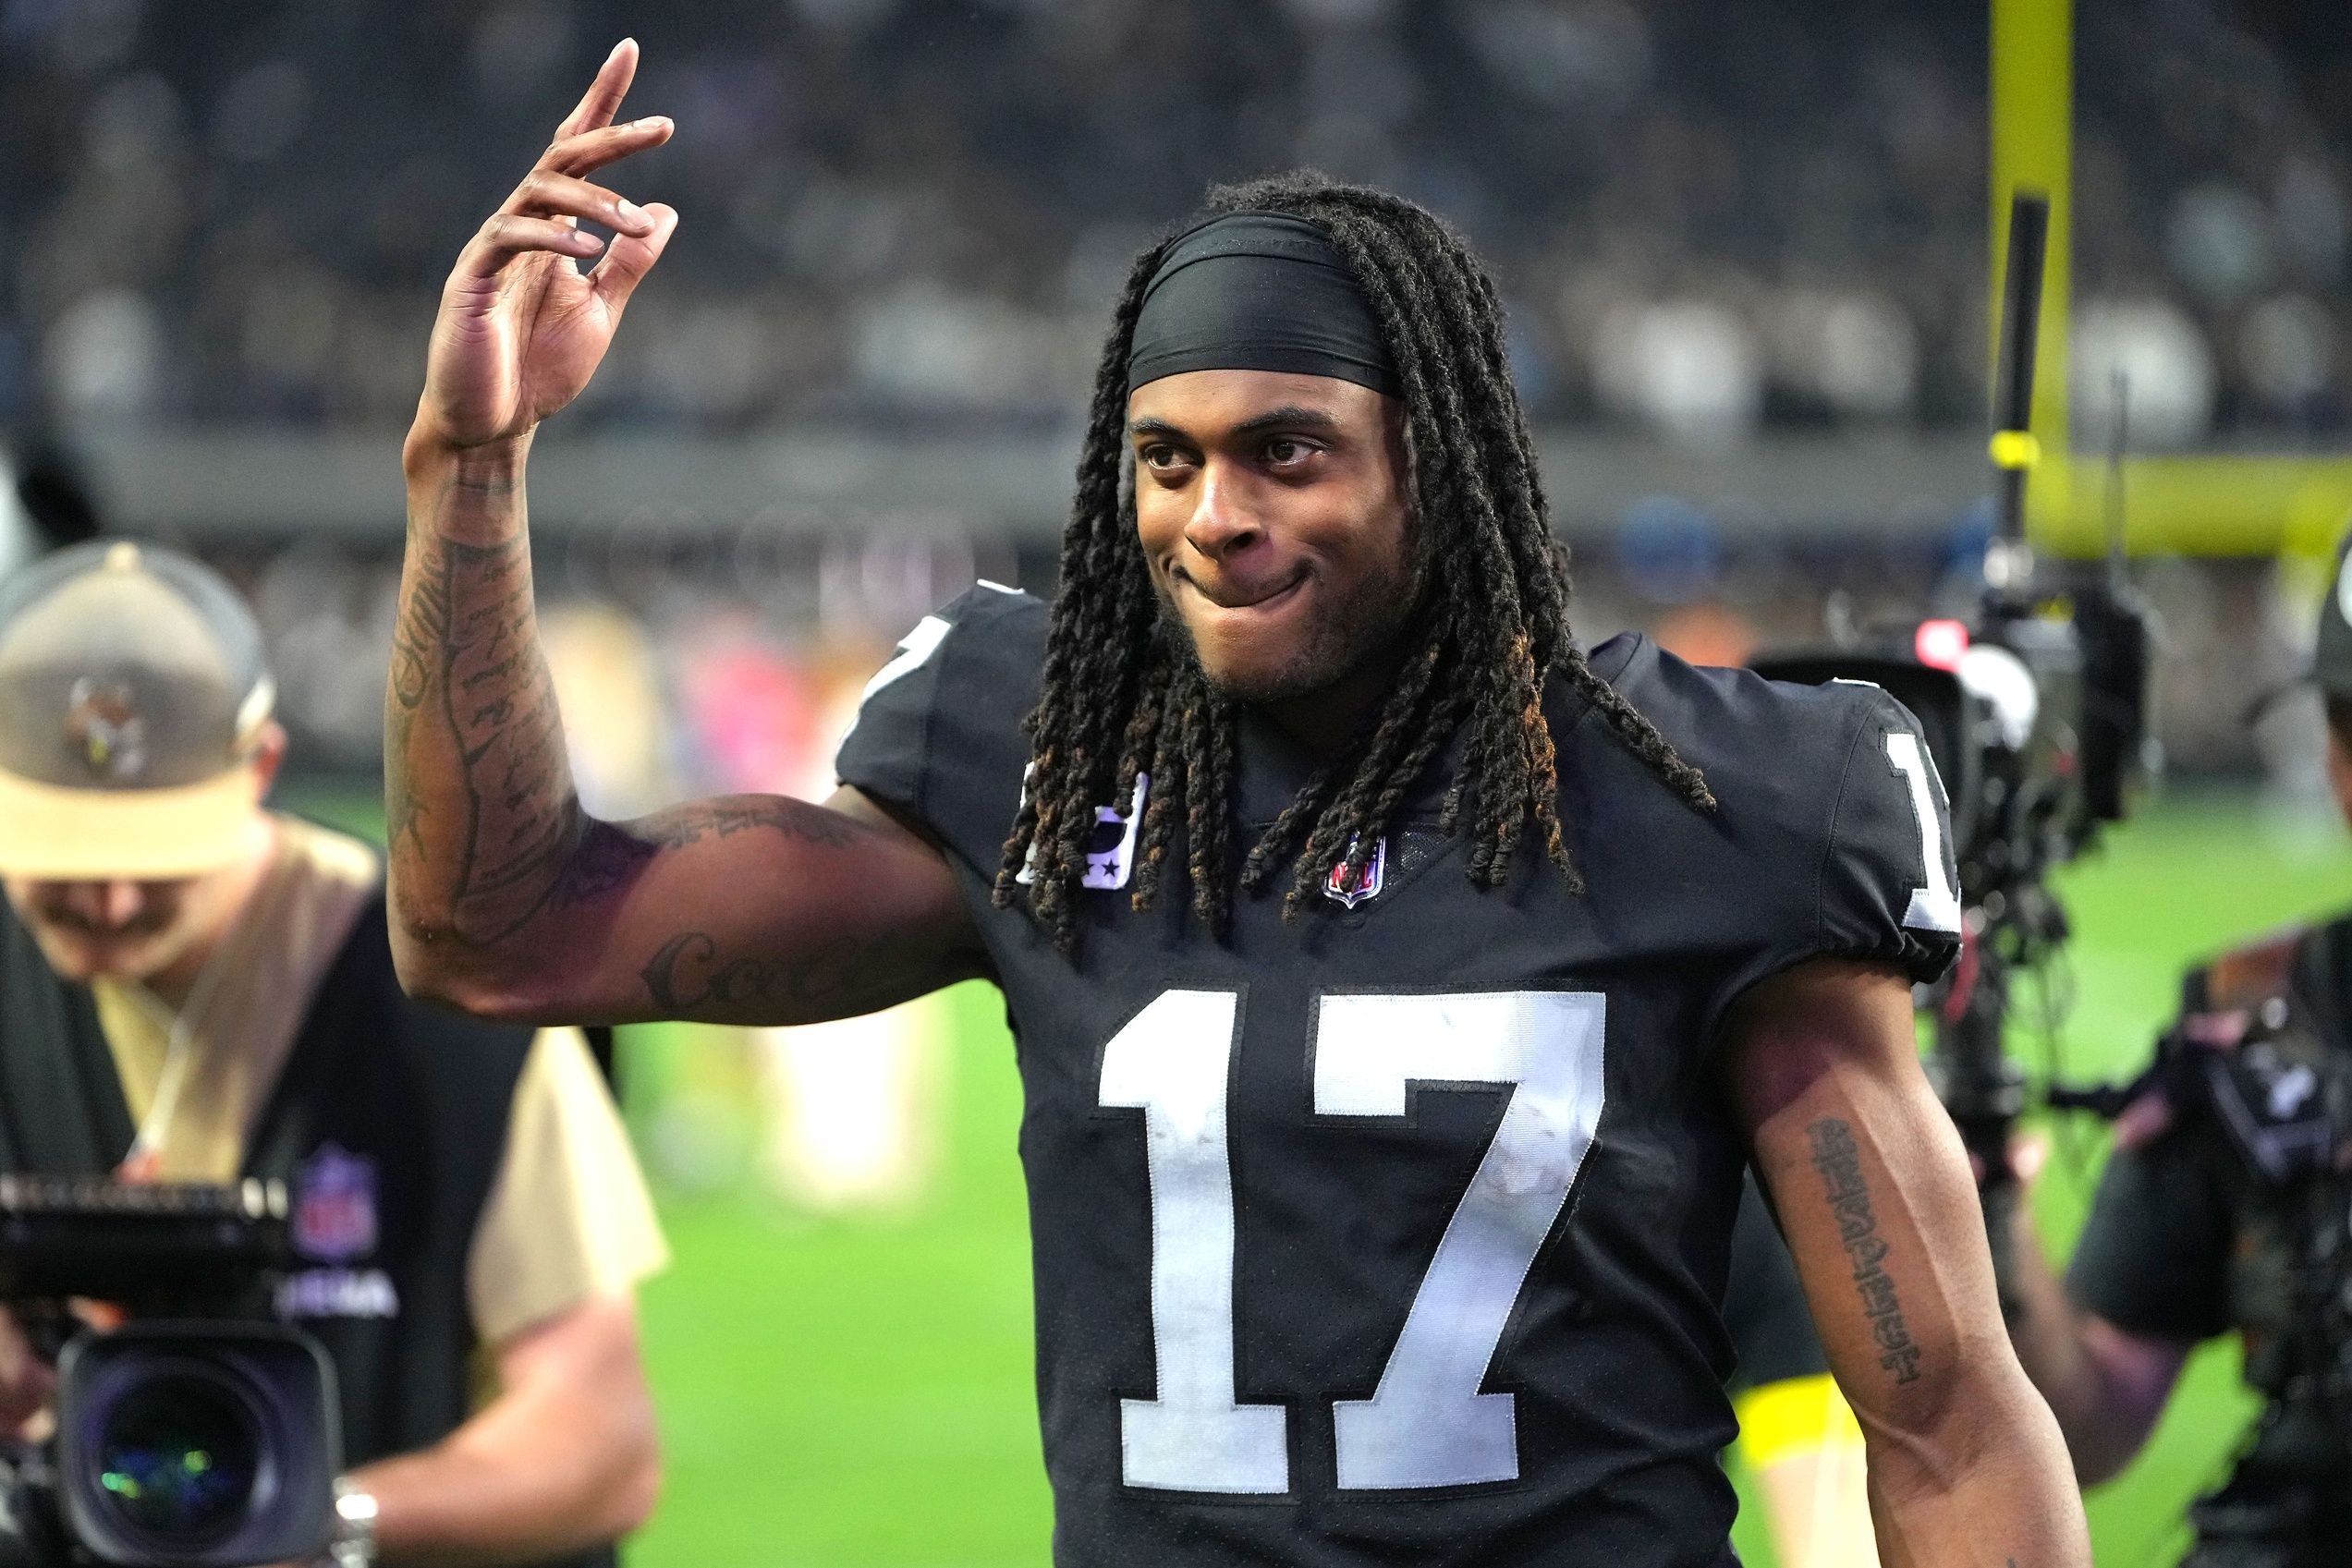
[(2221, 1210), (195, 989)]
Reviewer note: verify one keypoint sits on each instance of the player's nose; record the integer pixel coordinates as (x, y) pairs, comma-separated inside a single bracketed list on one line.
[(1222, 522)]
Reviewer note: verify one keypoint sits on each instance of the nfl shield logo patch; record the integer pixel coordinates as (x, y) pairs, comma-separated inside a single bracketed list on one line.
[(1364, 887), (335, 1218)]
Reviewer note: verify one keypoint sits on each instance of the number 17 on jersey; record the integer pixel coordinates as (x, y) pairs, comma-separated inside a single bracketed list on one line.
[(1426, 1422)]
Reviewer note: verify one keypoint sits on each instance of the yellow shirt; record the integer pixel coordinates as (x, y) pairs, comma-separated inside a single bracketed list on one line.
[(568, 1217)]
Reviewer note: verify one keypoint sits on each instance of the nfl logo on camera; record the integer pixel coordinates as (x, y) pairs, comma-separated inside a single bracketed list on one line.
[(334, 1206)]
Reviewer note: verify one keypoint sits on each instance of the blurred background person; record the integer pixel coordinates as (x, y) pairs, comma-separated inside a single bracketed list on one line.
[(200, 990), (2204, 1226)]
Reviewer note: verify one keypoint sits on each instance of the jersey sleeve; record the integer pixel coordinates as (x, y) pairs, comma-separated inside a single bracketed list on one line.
[(938, 733), (568, 1218), (1889, 889), (887, 750), (2154, 1257)]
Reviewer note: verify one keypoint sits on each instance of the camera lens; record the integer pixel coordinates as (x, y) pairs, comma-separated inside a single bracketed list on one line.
[(178, 1455)]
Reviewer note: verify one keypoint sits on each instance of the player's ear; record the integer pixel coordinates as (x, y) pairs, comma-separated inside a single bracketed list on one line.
[(268, 752)]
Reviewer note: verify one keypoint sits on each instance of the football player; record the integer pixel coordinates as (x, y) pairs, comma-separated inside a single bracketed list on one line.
[(1400, 988)]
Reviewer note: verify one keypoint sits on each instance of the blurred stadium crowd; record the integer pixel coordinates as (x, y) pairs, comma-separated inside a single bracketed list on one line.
[(1711, 220), (715, 664), (1719, 228)]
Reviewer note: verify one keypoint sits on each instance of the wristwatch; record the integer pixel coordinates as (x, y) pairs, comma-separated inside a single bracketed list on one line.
[(353, 1543)]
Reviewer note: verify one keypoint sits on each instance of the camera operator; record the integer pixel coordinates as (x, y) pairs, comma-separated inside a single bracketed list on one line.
[(2199, 1227), (197, 989)]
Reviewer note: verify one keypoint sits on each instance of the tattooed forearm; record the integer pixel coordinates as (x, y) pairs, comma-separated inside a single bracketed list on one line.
[(1839, 1159), (480, 813), (484, 830), (688, 975)]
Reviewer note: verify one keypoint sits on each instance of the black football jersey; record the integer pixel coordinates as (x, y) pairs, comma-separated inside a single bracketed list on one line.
[(1394, 1233)]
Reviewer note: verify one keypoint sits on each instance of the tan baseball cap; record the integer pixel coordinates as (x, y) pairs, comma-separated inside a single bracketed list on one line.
[(132, 694)]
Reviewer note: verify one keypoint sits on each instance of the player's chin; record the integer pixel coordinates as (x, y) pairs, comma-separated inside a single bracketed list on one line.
[(1261, 674), (1255, 654)]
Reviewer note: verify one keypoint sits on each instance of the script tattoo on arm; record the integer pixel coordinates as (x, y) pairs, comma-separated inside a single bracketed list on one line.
[(688, 973), (479, 814), (1839, 1159), (485, 832), (416, 638)]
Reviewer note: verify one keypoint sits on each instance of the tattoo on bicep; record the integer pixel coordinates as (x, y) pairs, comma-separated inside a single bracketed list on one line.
[(609, 853), (607, 858), (797, 819), (1839, 1159)]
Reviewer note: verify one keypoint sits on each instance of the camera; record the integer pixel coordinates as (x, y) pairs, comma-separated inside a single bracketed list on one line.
[(2035, 717), (2035, 714), (198, 1434), (2267, 1085), (2035, 711)]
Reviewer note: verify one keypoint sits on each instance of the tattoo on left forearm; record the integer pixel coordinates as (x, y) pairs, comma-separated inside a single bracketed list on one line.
[(1839, 1159), (466, 661)]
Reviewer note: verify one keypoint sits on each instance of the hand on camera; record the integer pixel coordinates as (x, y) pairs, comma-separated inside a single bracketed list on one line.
[(27, 1382)]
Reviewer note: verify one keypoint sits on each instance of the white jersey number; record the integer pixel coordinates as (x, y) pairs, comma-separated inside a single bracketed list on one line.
[(1427, 1424), (1174, 1061), (1935, 907)]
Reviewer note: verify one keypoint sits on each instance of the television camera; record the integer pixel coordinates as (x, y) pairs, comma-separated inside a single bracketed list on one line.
[(197, 1433), (2035, 717)]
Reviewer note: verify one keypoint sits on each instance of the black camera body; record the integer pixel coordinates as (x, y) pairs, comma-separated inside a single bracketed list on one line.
[(198, 1434), (2036, 717)]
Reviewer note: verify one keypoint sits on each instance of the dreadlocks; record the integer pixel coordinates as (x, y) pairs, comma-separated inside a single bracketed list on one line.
[(1123, 695)]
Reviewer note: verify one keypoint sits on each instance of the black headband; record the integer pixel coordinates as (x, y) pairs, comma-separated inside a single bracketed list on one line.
[(1258, 291)]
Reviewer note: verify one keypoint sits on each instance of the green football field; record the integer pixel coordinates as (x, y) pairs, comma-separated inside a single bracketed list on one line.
[(839, 1394)]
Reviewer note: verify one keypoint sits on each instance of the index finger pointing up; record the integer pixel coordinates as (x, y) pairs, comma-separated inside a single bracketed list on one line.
[(603, 100)]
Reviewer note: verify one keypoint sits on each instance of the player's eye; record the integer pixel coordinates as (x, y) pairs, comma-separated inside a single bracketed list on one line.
[(1161, 458), (1287, 452)]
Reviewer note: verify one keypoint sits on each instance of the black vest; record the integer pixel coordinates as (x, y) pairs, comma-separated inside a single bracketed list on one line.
[(386, 1125)]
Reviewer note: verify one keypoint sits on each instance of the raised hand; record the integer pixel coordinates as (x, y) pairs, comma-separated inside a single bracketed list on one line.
[(521, 328)]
